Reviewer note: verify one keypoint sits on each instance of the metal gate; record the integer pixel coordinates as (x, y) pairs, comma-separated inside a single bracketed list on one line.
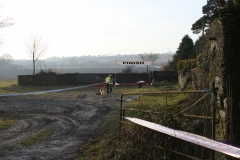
[(167, 107)]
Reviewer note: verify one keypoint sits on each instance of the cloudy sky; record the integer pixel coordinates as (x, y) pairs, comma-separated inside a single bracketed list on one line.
[(98, 27)]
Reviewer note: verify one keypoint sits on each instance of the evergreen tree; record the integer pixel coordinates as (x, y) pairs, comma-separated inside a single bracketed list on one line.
[(201, 43), (211, 7), (200, 25), (186, 50), (208, 10)]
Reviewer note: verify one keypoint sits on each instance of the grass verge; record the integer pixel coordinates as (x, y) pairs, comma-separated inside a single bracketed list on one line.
[(103, 147)]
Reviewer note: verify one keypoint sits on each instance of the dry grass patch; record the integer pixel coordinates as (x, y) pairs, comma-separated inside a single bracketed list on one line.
[(6, 123)]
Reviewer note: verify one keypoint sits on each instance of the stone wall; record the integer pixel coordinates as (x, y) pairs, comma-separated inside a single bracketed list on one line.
[(183, 80), (224, 53)]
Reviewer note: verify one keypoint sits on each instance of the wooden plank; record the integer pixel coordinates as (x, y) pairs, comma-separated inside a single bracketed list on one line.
[(165, 92), (197, 116), (199, 100), (137, 110)]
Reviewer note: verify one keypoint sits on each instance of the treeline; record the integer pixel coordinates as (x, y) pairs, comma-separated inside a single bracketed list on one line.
[(187, 52), (7, 61)]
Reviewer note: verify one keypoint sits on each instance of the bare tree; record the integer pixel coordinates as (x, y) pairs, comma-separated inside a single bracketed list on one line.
[(36, 49), (6, 22), (149, 57)]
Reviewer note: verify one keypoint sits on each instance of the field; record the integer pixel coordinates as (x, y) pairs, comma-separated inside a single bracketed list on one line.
[(55, 125), (73, 124), (52, 125)]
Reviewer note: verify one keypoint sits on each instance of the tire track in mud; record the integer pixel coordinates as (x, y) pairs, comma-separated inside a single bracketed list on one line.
[(75, 121)]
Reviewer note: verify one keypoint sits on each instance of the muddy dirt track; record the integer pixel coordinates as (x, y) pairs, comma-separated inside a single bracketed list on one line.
[(74, 117)]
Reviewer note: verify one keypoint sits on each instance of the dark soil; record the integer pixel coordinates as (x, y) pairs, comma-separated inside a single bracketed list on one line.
[(75, 117)]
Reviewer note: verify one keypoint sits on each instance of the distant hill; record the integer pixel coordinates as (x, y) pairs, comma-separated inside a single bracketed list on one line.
[(81, 64), (91, 60)]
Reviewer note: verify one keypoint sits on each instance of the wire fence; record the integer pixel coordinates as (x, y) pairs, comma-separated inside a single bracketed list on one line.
[(188, 113)]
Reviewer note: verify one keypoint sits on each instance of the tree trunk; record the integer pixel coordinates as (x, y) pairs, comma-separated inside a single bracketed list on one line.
[(33, 67)]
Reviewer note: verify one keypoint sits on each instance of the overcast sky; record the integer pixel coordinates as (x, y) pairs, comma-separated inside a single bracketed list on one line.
[(98, 27)]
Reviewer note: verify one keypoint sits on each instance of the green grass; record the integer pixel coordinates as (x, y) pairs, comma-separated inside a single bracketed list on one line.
[(43, 135), (153, 103)]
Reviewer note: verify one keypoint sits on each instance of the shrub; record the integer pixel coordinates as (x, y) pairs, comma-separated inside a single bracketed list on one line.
[(47, 72), (183, 64)]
